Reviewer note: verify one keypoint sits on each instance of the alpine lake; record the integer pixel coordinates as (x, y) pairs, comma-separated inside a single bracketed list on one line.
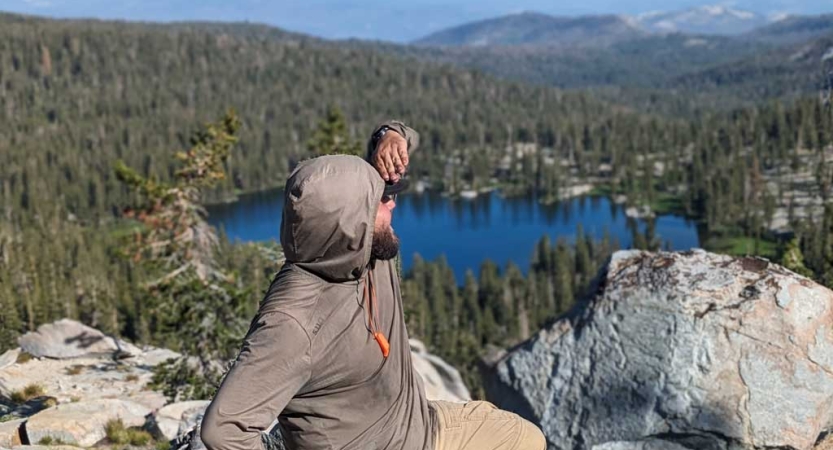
[(468, 231)]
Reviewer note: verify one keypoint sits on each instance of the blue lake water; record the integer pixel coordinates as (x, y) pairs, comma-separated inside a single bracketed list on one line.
[(469, 231)]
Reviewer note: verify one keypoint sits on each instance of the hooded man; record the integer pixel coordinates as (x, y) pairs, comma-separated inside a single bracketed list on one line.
[(328, 353)]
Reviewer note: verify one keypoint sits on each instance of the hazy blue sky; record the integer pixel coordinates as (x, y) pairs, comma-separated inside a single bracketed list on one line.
[(373, 19)]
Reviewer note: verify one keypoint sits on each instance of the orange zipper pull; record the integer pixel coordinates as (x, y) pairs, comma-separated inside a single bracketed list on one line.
[(383, 343)]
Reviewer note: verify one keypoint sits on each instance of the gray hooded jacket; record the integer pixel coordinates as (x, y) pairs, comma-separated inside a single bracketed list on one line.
[(309, 358)]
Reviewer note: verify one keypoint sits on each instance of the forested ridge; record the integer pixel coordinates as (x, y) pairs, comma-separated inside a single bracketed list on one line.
[(76, 97), (675, 73)]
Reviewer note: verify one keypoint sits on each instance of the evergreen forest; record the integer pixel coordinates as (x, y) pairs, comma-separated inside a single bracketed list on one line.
[(113, 135)]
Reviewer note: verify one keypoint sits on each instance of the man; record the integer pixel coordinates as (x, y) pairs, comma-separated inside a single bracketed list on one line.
[(327, 353)]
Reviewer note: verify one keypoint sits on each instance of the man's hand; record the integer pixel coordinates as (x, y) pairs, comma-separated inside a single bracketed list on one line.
[(391, 156)]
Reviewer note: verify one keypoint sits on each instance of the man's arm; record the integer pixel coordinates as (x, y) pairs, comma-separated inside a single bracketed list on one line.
[(273, 365), (391, 154)]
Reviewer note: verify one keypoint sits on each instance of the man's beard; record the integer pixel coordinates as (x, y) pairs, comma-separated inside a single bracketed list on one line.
[(385, 245)]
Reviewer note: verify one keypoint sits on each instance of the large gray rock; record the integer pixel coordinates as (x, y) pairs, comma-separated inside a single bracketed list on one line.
[(441, 380), (647, 444), (71, 371), (10, 433), (67, 338), (730, 352), (83, 423), (176, 419), (9, 358)]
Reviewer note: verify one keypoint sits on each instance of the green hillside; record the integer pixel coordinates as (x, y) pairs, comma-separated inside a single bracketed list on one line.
[(75, 96), (648, 61), (787, 72), (78, 96)]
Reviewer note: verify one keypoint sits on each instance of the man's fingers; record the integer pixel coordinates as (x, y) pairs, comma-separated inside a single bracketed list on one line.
[(380, 166), (403, 155), (388, 161), (397, 161)]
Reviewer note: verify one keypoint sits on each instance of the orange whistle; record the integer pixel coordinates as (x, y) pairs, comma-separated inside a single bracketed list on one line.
[(383, 343)]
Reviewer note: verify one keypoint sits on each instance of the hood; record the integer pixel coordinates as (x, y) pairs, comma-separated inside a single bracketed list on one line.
[(329, 213)]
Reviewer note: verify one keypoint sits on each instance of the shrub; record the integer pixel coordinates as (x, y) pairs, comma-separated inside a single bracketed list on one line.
[(23, 358), (27, 393), (118, 434), (138, 437), (182, 380)]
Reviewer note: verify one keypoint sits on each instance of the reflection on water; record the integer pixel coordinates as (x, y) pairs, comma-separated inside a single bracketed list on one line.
[(470, 231)]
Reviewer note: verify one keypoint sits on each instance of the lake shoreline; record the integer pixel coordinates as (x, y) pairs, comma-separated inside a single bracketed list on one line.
[(469, 231)]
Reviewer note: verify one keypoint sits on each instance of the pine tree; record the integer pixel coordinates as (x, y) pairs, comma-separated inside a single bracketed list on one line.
[(793, 258), (471, 316), (564, 276), (193, 305), (10, 323), (515, 299), (584, 263), (491, 302), (332, 137)]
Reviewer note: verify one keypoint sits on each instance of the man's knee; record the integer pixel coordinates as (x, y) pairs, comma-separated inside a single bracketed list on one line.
[(532, 438)]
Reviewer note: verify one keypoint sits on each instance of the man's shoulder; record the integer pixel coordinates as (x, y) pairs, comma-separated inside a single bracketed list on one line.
[(292, 292)]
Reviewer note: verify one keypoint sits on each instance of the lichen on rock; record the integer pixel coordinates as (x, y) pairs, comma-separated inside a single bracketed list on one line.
[(733, 351)]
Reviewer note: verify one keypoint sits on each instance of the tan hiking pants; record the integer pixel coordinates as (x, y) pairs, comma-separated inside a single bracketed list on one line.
[(479, 425)]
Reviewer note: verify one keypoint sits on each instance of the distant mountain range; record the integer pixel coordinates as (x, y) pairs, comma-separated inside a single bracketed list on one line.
[(537, 29), (673, 62), (703, 20), (532, 28), (794, 29)]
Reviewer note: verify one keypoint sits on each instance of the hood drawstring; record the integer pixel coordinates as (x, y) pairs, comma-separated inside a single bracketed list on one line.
[(373, 314)]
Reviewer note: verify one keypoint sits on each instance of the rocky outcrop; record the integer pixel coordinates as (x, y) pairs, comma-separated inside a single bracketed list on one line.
[(9, 358), (647, 444), (441, 380), (693, 350), (176, 419), (70, 339), (10, 433), (83, 423), (85, 378)]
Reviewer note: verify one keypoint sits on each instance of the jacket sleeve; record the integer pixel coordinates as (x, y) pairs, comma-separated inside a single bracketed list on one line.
[(407, 132), (273, 365)]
